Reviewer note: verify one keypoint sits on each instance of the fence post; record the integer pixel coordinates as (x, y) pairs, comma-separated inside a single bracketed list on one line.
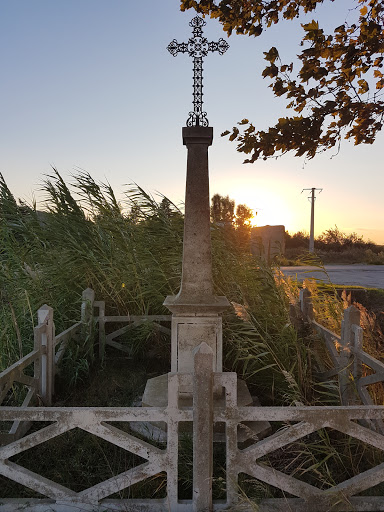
[(306, 305), (45, 343), (88, 298), (101, 329), (349, 323), (202, 428), (295, 317), (357, 332)]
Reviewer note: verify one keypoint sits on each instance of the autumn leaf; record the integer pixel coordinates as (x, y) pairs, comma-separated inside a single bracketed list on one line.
[(271, 55), (313, 25), (364, 87)]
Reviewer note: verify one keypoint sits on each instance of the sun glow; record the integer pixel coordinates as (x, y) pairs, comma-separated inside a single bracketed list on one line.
[(274, 201), (274, 214), (268, 208), (254, 221)]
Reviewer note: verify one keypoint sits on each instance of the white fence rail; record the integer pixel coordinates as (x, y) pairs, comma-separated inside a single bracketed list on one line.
[(356, 369), (290, 425), (298, 422), (47, 353), (132, 321)]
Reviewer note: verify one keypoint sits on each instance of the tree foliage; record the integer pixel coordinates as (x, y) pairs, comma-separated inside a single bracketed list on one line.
[(222, 209), (332, 239), (335, 239), (237, 228), (336, 93), (223, 212), (244, 215)]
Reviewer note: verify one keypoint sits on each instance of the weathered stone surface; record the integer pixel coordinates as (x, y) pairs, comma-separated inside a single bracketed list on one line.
[(156, 395), (189, 333), (268, 241), (196, 295), (202, 429), (195, 308), (196, 281)]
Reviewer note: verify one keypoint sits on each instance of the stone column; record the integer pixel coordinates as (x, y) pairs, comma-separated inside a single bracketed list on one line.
[(195, 308), (196, 283)]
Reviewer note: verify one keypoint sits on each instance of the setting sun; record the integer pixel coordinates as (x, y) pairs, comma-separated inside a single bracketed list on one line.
[(268, 206)]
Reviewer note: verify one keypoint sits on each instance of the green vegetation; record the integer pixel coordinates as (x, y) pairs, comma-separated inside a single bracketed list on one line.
[(130, 254), (333, 246), (336, 92), (132, 260)]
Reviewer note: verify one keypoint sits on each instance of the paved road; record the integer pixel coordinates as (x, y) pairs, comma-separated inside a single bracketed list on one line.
[(369, 276)]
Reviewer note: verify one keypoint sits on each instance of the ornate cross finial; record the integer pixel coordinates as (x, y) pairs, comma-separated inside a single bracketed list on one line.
[(197, 47)]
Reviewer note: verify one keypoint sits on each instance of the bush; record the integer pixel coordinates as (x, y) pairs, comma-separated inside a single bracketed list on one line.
[(333, 246), (374, 258)]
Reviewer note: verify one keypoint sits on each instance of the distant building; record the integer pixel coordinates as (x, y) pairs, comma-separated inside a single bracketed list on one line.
[(268, 241)]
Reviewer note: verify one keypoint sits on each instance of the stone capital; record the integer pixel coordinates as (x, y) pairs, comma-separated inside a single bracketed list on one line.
[(197, 135)]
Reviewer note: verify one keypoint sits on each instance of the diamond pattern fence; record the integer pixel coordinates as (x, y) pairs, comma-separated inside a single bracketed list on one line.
[(295, 424)]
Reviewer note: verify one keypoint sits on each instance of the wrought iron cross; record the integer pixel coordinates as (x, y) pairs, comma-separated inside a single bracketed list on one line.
[(197, 47)]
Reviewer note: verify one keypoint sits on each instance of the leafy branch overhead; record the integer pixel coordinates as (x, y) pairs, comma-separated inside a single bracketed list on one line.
[(338, 90)]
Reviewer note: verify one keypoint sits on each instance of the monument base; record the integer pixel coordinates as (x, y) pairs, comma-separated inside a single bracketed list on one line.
[(195, 320), (156, 395)]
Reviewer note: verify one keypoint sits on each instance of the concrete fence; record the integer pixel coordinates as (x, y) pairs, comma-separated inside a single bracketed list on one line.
[(42, 362), (132, 321), (355, 368), (289, 425), (298, 422)]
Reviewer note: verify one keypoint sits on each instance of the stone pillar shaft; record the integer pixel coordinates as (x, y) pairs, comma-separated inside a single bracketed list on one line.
[(195, 308), (196, 282)]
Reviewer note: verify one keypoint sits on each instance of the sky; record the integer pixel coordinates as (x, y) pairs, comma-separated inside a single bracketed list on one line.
[(89, 84)]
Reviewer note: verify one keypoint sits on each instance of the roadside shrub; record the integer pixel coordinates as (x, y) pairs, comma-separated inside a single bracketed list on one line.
[(374, 258), (334, 246)]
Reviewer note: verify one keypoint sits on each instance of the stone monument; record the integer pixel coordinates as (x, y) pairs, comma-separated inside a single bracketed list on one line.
[(195, 309)]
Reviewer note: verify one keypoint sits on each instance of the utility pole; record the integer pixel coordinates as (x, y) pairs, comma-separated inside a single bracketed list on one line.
[(312, 198)]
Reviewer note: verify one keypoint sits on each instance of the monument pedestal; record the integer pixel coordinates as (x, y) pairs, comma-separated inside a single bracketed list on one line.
[(196, 309), (194, 323)]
